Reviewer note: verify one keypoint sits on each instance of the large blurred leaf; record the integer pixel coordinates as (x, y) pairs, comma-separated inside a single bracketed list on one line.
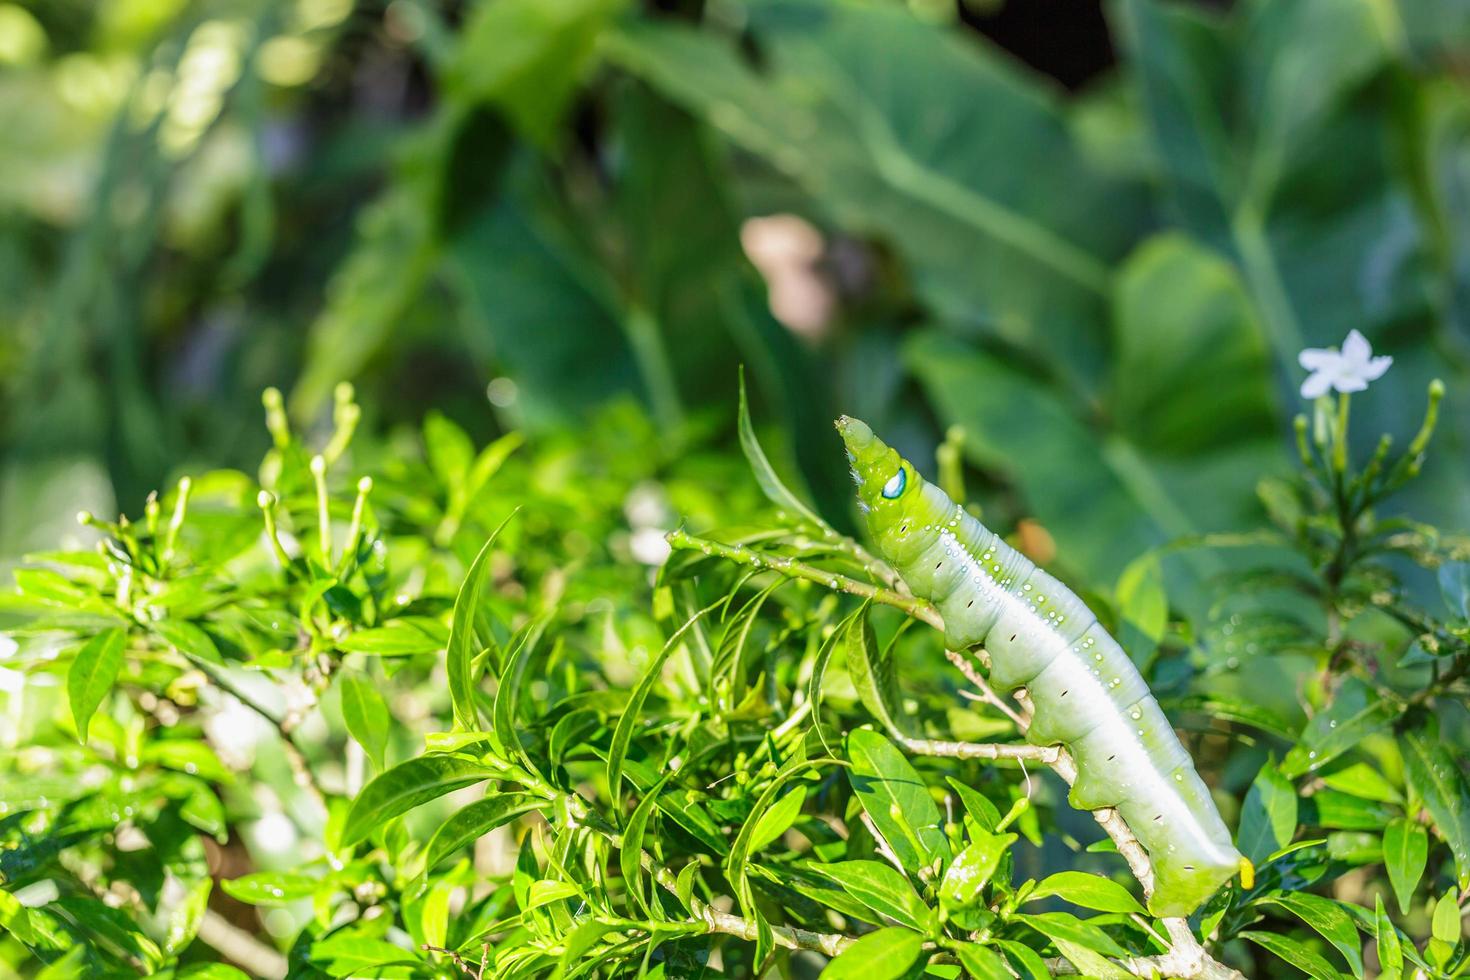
[(904, 130), (1161, 464), (527, 56)]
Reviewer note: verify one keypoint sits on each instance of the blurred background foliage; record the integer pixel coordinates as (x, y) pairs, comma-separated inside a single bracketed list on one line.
[(513, 211)]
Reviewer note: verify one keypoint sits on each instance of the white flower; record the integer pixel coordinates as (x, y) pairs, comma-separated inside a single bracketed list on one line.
[(1347, 370)]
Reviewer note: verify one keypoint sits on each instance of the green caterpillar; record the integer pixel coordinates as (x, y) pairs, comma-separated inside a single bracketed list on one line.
[(1086, 693)]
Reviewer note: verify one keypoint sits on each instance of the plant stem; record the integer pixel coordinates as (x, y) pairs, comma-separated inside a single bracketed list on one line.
[(791, 568)]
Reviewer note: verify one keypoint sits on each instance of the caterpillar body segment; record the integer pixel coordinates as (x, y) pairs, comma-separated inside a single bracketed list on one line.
[(1086, 692)]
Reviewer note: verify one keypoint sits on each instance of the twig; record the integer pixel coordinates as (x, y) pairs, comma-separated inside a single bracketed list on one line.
[(295, 757), (987, 693), (240, 947), (791, 568), (733, 925), (1045, 754)]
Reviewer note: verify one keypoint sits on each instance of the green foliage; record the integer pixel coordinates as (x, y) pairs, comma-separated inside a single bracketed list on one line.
[(437, 704)]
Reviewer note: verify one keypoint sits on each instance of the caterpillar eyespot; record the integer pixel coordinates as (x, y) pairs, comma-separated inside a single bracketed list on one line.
[(1084, 691), (894, 488)]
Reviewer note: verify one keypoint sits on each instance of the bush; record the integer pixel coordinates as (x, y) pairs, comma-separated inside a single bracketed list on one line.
[(451, 721)]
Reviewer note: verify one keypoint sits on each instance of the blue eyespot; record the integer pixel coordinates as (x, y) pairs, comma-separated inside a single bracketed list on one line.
[(894, 488)]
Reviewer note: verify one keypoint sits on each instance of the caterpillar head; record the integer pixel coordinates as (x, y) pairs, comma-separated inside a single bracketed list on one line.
[(885, 480)]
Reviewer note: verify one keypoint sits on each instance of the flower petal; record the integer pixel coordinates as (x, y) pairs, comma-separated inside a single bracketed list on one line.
[(1355, 349), (1317, 358), (1375, 368), (1316, 384), (1350, 381)]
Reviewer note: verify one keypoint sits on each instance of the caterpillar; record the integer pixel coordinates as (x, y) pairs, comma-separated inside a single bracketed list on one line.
[(1085, 691)]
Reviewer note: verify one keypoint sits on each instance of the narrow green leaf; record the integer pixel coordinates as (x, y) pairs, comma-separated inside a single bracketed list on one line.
[(460, 650), (982, 963), (1089, 962), (1293, 952), (477, 820), (1026, 959), (1446, 923), (765, 474), (778, 819), (872, 675), (880, 888), (1143, 607), (1268, 817), (623, 735), (630, 856), (977, 805), (883, 955), (1405, 852), (896, 800), (1435, 777), (1355, 713), (1087, 890), (270, 887), (1390, 951), (1068, 928), (366, 715), (405, 786), (92, 675), (506, 709), (403, 637), (1329, 920)]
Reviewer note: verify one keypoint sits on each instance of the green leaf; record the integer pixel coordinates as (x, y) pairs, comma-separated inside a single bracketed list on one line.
[(405, 786), (460, 652), (406, 636), (1089, 962), (366, 715), (506, 709), (630, 855), (1025, 958), (1103, 490), (977, 805), (1405, 853), (1390, 951), (896, 800), (1446, 923), (872, 674), (900, 153), (185, 916), (1090, 891), (109, 927), (1362, 780), (1068, 928), (1434, 776), (1293, 952), (1355, 713), (880, 888), (971, 870), (351, 954), (778, 819), (982, 963), (270, 887), (476, 820), (527, 58), (1268, 818), (765, 474), (1330, 921), (623, 734), (883, 955), (92, 675), (211, 971), (1143, 607)]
